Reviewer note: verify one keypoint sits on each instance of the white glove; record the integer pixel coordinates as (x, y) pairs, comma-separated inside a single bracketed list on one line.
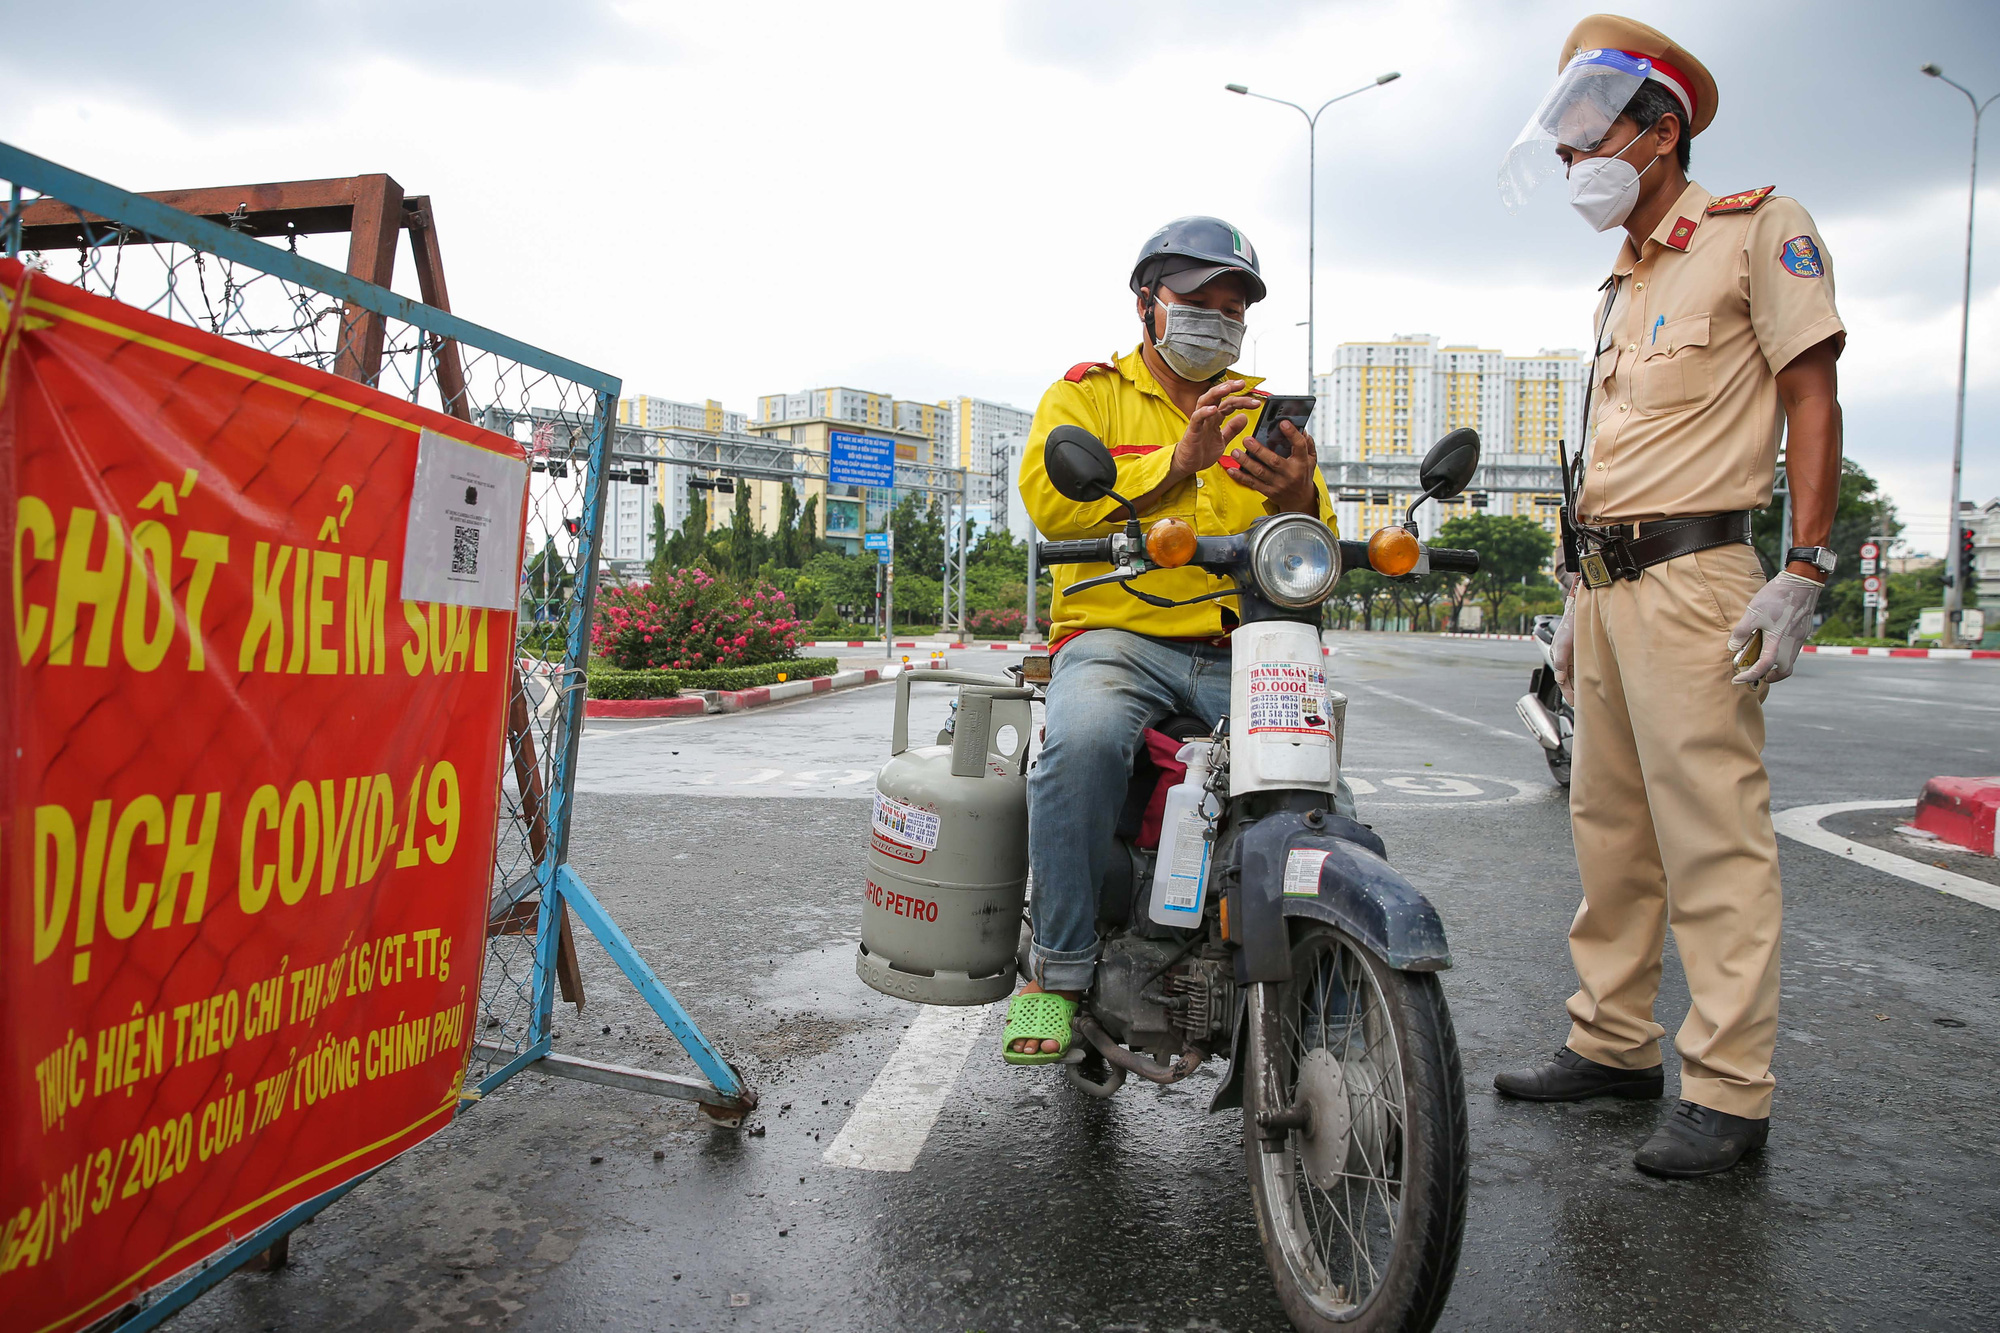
[(1783, 609), (1565, 652)]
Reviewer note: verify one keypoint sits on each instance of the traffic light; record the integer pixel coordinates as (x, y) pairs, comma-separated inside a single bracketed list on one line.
[(1965, 544), (573, 526)]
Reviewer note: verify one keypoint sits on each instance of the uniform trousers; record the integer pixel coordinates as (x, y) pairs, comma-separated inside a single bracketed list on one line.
[(1671, 810)]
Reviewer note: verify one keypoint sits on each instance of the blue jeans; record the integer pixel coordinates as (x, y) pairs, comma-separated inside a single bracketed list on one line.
[(1108, 687)]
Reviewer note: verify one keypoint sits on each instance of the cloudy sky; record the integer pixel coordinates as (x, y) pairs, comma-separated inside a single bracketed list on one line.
[(930, 199)]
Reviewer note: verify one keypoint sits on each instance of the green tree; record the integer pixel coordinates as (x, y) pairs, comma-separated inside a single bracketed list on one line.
[(1862, 512), (657, 567), (689, 544), (1363, 588), (1513, 554), (809, 529), (1423, 591), (919, 536), (742, 535), (787, 553)]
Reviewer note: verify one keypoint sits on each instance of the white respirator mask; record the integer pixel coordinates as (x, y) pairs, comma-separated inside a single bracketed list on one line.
[(1198, 344), (1603, 190)]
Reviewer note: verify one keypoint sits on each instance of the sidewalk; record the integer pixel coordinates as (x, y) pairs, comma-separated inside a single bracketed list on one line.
[(931, 645)]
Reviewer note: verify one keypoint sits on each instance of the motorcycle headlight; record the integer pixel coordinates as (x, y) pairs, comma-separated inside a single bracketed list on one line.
[(1295, 561)]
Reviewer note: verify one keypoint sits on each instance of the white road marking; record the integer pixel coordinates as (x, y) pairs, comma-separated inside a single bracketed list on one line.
[(1801, 823), (1439, 788), (1454, 717), (890, 1123)]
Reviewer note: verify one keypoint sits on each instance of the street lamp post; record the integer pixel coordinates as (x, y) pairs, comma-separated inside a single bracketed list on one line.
[(1312, 192), (1954, 596)]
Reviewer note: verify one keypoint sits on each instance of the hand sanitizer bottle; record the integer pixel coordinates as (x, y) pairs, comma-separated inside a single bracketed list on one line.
[(1180, 872)]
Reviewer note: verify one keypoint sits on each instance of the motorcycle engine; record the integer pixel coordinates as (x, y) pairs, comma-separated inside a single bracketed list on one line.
[(1160, 997)]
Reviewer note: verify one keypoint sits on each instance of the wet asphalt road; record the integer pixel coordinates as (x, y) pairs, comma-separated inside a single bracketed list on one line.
[(735, 865)]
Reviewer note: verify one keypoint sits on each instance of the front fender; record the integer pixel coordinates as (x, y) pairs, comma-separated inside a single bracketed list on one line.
[(1355, 888)]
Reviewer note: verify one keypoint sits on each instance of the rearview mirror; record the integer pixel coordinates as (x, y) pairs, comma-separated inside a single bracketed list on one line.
[(1078, 464), (1447, 469)]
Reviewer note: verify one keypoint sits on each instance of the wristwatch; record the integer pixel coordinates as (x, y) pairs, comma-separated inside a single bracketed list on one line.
[(1821, 558)]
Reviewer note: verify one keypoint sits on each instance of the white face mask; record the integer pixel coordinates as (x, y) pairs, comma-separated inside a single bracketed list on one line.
[(1198, 344), (1604, 189)]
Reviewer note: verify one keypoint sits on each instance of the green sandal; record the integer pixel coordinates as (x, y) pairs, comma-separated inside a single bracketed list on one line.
[(1040, 1016)]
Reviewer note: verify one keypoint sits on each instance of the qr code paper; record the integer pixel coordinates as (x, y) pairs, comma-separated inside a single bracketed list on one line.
[(464, 550)]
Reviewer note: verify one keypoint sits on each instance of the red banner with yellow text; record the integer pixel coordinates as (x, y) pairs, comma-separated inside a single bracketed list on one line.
[(249, 792)]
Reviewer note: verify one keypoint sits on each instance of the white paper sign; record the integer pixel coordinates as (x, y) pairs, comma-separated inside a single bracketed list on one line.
[(463, 543), (1288, 697), (905, 823), (1302, 867)]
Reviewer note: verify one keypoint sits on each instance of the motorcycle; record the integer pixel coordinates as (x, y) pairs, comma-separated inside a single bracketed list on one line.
[(1549, 717), (1305, 956)]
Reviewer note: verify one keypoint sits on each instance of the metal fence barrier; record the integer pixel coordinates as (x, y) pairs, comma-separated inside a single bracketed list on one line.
[(223, 279)]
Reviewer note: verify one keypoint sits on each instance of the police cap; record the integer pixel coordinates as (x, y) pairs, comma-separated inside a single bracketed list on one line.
[(1673, 68)]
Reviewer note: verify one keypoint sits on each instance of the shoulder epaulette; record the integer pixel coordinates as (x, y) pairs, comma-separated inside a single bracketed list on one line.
[(1076, 372), (1747, 202)]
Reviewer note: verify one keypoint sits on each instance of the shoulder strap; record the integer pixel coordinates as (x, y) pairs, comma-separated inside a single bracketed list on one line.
[(1076, 372), (1749, 201)]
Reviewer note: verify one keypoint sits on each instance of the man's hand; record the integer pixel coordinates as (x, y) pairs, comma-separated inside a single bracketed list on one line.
[(1783, 609), (1288, 482), (1217, 420), (1565, 652)]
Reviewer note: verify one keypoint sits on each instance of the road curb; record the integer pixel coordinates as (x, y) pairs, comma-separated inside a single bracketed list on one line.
[(704, 702), (1949, 654), (961, 645)]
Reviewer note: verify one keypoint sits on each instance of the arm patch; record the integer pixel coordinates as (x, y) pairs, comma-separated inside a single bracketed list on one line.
[(1747, 202)]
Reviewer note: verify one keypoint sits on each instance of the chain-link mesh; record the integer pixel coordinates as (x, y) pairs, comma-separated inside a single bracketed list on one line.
[(555, 419)]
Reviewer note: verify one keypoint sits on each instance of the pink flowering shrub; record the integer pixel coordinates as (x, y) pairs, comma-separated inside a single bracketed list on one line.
[(693, 621), (1006, 623)]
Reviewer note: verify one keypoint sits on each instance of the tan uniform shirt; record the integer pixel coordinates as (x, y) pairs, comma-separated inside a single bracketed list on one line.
[(1685, 416)]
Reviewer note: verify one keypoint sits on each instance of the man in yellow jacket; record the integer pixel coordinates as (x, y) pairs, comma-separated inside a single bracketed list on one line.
[(1179, 422)]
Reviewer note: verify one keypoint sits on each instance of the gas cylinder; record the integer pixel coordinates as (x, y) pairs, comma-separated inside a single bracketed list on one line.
[(948, 849)]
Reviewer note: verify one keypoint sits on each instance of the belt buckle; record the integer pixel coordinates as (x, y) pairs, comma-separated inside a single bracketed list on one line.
[(1596, 574)]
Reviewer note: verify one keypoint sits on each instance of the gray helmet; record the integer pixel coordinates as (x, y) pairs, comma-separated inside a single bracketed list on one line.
[(1189, 252)]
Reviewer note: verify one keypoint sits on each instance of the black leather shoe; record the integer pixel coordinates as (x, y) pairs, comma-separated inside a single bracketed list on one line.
[(1700, 1141), (1571, 1078)]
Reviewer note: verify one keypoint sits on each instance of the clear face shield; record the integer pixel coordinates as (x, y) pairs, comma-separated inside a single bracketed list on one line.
[(1577, 112)]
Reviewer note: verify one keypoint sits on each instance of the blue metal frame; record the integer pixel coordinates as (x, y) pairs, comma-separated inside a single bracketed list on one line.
[(592, 913), (559, 883)]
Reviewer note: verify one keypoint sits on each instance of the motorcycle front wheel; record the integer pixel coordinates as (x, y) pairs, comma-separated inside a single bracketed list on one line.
[(1360, 1190)]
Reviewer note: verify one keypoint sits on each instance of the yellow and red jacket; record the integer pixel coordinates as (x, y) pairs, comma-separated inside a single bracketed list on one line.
[(1123, 405)]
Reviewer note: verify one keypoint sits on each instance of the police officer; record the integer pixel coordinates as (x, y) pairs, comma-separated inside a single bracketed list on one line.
[(1716, 328)]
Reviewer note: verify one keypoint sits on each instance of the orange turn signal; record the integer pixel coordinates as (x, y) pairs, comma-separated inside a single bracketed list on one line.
[(1393, 551), (1170, 544)]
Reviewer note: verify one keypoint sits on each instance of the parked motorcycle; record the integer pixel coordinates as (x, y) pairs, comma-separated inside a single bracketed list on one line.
[(1551, 720), (1305, 955)]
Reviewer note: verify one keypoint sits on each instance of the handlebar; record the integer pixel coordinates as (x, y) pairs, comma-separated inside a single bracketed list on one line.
[(1353, 555), (1444, 561), (1087, 551)]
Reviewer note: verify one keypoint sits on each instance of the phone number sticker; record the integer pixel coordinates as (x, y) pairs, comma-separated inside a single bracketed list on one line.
[(1288, 697), (905, 823)]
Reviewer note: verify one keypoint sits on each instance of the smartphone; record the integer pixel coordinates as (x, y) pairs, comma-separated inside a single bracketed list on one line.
[(1296, 408)]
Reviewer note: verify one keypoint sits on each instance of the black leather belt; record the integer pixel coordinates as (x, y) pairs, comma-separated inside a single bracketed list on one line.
[(1624, 555)]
